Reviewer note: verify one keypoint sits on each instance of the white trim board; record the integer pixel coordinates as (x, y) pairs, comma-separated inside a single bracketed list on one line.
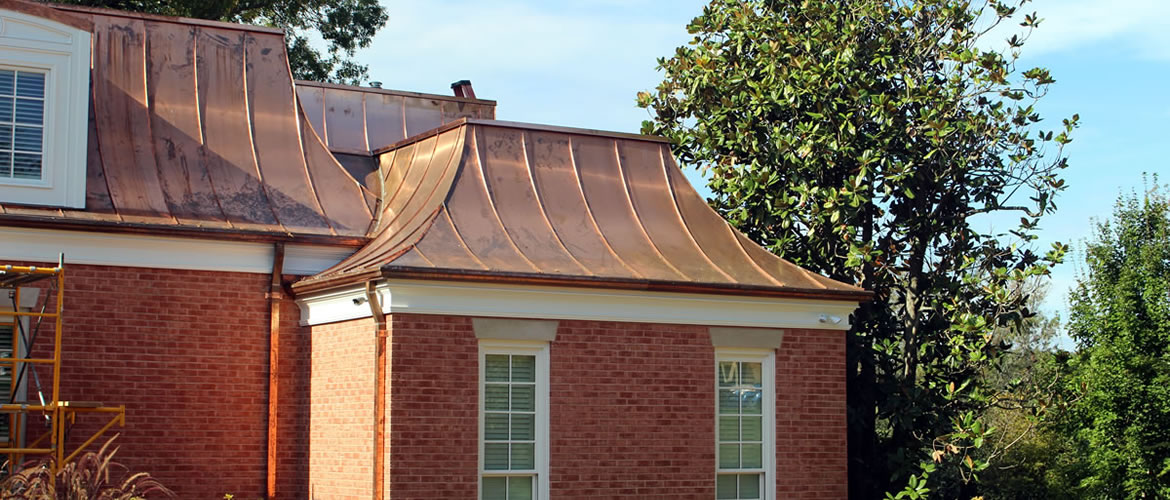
[(162, 252), (539, 302)]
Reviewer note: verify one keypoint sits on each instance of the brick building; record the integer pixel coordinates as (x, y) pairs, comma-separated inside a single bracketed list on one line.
[(304, 290)]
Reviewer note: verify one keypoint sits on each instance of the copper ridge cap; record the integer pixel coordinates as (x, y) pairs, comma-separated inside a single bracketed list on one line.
[(518, 125), (167, 19), (403, 93)]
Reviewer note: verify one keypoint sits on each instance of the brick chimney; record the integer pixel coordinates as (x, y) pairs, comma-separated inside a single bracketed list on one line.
[(463, 88)]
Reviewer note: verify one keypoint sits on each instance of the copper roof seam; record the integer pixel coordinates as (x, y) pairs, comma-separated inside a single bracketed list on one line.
[(421, 254), (662, 152), (491, 201), (540, 202), (459, 237), (405, 133), (589, 212), (749, 258), (97, 139), (302, 122), (148, 102), (252, 131), (629, 199), (365, 125), (199, 110)]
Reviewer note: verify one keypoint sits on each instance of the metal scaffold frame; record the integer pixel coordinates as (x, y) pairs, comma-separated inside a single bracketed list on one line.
[(58, 416)]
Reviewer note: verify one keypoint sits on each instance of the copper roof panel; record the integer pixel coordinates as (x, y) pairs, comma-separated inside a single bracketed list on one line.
[(554, 174), (473, 215), (194, 129), (508, 179), (346, 118), (119, 88), (600, 175), (543, 205), (175, 126), (360, 119), (282, 168), (653, 201)]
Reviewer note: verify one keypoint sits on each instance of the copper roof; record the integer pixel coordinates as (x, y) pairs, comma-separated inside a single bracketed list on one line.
[(501, 201), (357, 120), (195, 127)]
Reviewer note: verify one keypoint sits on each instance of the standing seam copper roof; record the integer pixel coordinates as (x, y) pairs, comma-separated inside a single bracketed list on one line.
[(500, 201), (196, 126)]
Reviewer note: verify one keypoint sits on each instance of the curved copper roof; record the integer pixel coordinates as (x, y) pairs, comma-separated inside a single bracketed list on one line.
[(195, 126), (500, 201)]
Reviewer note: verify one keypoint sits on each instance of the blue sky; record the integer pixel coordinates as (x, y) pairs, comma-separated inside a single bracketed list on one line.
[(580, 63)]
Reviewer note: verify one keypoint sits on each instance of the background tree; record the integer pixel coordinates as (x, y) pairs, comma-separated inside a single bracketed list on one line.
[(868, 140), (1120, 317), (345, 26)]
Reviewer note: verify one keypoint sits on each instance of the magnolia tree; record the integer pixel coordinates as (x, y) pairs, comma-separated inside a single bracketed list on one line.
[(870, 141)]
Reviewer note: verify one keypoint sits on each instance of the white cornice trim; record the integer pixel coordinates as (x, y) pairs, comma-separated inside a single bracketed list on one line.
[(132, 250), (537, 302)]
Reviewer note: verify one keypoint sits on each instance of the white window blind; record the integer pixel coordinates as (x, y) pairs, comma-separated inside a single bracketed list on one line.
[(22, 124)]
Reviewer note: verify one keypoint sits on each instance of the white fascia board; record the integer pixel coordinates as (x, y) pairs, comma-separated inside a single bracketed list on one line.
[(162, 252), (539, 302)]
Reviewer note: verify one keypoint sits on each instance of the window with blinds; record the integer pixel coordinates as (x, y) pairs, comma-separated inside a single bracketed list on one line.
[(514, 422), (22, 124), (744, 421)]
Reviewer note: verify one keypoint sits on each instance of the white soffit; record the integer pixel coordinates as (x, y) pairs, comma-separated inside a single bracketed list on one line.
[(133, 250), (538, 302)]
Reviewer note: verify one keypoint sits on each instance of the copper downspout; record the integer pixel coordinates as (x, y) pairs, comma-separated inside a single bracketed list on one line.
[(379, 391), (275, 295)]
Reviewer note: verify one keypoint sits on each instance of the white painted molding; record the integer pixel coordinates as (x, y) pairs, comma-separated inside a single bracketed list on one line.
[(162, 252), (537, 302), (28, 298), (63, 53), (758, 338)]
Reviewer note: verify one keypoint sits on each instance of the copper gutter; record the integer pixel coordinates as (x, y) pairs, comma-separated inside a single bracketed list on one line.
[(379, 390), (275, 294), (37, 222), (534, 279)]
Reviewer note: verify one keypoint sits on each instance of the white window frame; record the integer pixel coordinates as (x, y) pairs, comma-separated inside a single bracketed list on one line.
[(541, 452), (62, 53), (767, 358)]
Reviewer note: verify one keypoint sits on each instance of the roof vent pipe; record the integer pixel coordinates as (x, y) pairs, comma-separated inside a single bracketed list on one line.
[(376, 85), (463, 88)]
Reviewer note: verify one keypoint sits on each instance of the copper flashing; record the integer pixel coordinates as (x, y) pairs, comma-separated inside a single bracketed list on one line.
[(195, 127), (481, 200)]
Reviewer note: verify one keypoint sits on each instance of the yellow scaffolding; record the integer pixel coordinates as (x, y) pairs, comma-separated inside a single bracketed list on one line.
[(59, 416)]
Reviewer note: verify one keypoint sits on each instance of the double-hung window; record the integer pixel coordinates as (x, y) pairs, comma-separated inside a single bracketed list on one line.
[(513, 420), (745, 423)]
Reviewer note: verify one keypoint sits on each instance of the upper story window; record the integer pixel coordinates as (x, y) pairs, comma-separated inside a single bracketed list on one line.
[(44, 111), (22, 124)]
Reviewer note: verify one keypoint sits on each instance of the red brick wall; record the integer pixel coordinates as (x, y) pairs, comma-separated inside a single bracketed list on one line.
[(811, 461), (433, 435), (611, 435), (341, 411), (187, 353)]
